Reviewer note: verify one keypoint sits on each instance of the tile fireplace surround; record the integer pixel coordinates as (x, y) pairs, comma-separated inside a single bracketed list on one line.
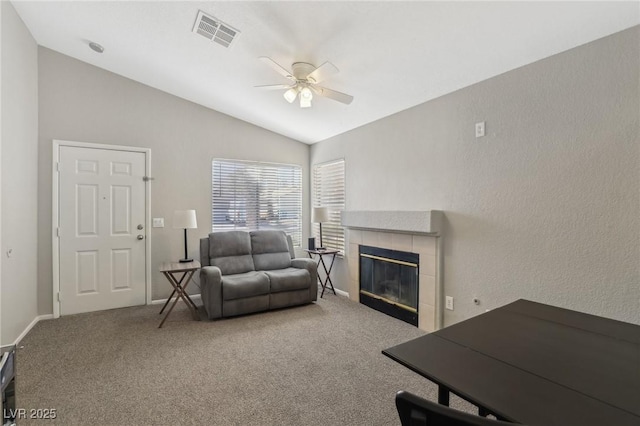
[(413, 231)]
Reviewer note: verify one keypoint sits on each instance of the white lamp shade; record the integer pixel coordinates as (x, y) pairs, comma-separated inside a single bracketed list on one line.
[(305, 97), (320, 214), (185, 219), (306, 94), (305, 103), (290, 95)]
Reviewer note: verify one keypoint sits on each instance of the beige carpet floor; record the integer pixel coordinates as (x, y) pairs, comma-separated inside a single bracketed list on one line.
[(319, 364)]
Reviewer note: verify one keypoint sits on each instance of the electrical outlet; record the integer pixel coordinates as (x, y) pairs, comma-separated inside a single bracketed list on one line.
[(448, 303), (158, 222), (480, 129)]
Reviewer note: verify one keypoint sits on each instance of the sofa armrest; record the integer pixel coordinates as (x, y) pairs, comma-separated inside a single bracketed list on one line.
[(311, 266), (211, 290)]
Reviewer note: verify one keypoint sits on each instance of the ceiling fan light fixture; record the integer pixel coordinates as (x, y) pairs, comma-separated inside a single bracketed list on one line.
[(306, 94), (303, 78), (305, 97), (290, 95)]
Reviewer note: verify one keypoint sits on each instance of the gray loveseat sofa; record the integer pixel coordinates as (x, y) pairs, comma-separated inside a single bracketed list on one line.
[(244, 272)]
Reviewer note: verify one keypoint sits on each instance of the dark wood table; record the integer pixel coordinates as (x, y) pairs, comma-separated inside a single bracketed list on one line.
[(321, 253), (171, 270), (535, 364)]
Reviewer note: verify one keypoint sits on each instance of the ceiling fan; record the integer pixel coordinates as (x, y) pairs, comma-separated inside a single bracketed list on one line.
[(304, 82)]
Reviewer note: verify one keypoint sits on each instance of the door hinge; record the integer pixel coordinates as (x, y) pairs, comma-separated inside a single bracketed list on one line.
[(59, 298), (58, 232), (57, 166)]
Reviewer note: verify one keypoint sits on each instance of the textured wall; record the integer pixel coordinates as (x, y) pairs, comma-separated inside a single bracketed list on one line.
[(19, 175), (545, 206), (79, 102)]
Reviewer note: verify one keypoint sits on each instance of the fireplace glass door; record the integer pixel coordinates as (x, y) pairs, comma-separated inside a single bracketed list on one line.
[(389, 281)]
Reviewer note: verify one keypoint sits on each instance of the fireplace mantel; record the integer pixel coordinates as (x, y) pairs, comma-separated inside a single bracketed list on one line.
[(412, 222)]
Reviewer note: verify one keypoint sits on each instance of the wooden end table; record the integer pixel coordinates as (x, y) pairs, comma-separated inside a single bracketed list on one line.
[(321, 253), (171, 271)]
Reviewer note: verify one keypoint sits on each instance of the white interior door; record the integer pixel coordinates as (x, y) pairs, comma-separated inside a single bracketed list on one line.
[(101, 214)]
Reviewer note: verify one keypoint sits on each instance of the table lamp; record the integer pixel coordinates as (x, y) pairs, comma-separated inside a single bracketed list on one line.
[(320, 214), (185, 219)]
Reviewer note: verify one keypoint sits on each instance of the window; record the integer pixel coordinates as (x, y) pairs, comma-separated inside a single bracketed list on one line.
[(249, 195), (329, 191)]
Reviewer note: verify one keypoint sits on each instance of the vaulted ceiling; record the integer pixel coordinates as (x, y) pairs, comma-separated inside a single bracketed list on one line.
[(391, 55)]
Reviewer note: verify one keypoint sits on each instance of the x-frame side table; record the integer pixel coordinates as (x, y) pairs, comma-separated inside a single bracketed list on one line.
[(321, 254), (171, 270)]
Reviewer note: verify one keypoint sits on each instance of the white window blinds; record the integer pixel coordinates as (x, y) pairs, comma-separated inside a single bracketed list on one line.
[(247, 195), (329, 191)]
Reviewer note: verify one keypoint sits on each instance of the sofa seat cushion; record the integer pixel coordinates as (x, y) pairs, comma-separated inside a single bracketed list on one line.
[(249, 284), (288, 279)]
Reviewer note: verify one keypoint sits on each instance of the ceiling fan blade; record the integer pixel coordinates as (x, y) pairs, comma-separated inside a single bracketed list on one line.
[(322, 72), (277, 67), (274, 86), (332, 94)]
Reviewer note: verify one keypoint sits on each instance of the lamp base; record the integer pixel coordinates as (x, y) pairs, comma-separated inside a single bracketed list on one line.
[(186, 260)]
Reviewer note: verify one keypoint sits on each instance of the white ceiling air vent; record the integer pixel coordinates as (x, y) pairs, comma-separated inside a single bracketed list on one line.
[(214, 29)]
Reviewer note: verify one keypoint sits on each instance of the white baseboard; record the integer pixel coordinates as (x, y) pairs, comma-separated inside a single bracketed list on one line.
[(342, 292), (30, 326), (194, 297)]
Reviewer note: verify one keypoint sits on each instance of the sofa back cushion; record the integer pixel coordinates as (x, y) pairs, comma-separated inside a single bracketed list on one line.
[(231, 252), (270, 250)]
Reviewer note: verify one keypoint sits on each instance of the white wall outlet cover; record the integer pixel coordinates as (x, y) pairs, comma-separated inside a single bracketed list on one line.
[(448, 303), (158, 222), (480, 129)]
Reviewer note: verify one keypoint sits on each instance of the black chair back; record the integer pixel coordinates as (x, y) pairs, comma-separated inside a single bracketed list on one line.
[(416, 411)]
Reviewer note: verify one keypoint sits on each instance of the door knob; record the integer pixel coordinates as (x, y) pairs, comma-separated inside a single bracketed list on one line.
[(140, 237), (140, 226)]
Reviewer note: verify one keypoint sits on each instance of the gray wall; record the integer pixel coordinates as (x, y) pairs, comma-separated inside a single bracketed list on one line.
[(546, 206), (80, 102), (19, 189)]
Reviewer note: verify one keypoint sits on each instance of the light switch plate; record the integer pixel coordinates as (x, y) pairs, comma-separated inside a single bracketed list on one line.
[(480, 129), (158, 222)]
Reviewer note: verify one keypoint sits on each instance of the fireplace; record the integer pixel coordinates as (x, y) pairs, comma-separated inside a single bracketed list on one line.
[(389, 282), (418, 232)]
